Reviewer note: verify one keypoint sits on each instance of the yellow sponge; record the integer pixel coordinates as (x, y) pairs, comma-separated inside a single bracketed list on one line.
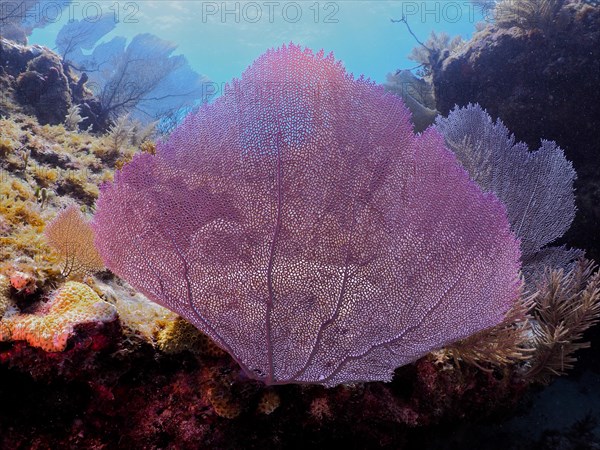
[(179, 335), (51, 326)]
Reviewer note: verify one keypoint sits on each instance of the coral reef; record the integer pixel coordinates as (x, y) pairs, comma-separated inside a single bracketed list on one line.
[(269, 402), (5, 300), (151, 380), (188, 403), (180, 335), (43, 169), (223, 402), (139, 317), (22, 281), (45, 87)]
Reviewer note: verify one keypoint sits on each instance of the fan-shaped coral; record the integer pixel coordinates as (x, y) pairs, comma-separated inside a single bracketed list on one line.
[(536, 187), (301, 224), (70, 235)]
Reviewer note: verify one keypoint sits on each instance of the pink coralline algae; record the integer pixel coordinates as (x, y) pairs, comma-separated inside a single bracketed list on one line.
[(299, 222)]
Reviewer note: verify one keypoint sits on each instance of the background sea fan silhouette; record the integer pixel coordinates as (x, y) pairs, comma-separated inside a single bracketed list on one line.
[(300, 223)]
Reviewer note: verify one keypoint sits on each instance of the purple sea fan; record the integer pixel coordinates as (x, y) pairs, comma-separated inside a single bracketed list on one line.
[(301, 224)]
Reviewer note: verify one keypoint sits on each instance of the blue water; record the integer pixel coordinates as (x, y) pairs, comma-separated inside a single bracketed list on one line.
[(220, 39)]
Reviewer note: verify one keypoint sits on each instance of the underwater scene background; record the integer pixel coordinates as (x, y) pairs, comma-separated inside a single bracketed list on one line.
[(287, 224)]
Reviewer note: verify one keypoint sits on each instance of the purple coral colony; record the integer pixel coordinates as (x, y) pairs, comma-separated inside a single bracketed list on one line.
[(302, 261)]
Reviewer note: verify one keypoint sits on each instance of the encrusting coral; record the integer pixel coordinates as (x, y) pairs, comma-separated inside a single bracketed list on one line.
[(179, 335), (139, 316), (5, 300), (223, 402), (269, 402), (53, 323)]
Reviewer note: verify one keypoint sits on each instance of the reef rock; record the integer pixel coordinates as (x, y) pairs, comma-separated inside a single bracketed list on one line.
[(35, 81)]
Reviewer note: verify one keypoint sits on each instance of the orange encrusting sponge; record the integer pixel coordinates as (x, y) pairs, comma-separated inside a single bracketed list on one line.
[(51, 326)]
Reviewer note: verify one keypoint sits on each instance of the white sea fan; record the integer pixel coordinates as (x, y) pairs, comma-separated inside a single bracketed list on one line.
[(536, 187)]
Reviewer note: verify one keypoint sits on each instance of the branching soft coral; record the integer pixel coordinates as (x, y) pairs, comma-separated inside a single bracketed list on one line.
[(567, 304), (506, 343), (315, 238), (529, 14)]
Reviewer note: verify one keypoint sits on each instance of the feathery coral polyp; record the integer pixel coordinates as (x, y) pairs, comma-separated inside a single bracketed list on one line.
[(300, 223)]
